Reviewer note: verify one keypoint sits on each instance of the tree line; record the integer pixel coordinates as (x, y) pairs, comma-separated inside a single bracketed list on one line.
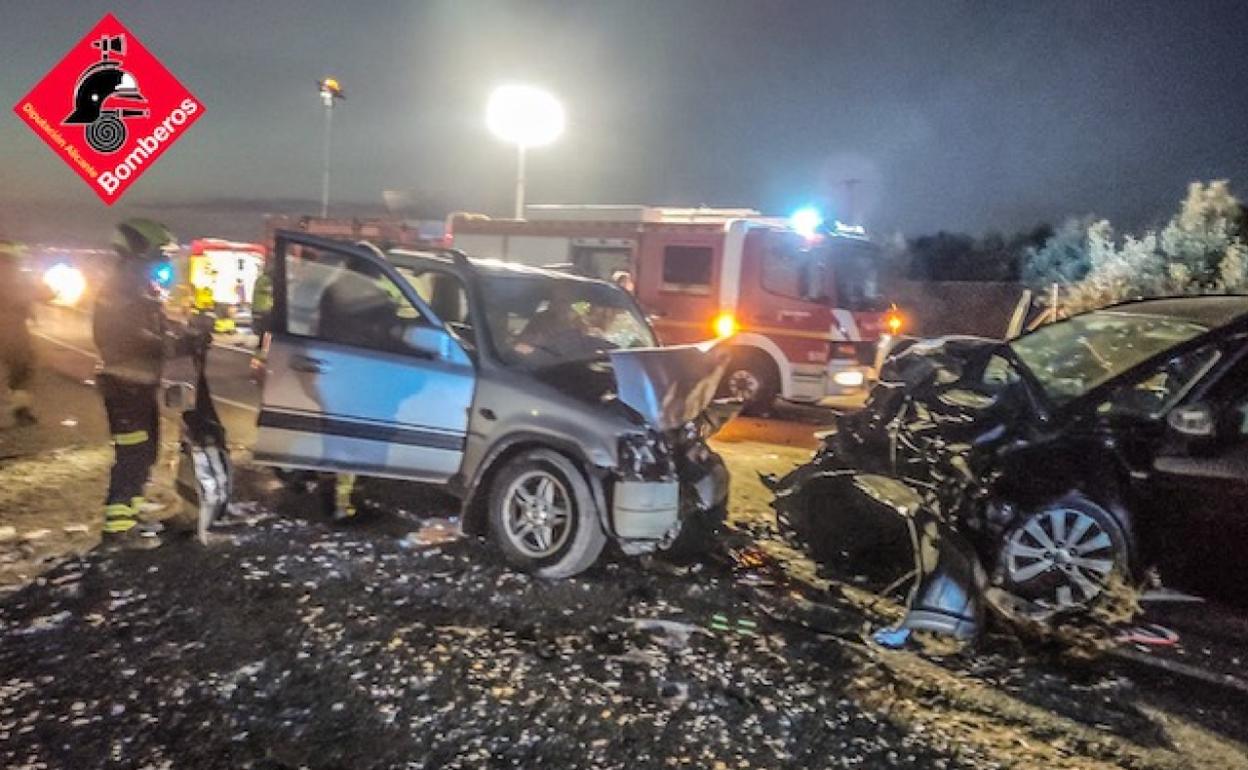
[(1202, 249)]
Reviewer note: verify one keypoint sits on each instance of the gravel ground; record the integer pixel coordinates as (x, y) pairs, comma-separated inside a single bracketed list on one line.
[(292, 643)]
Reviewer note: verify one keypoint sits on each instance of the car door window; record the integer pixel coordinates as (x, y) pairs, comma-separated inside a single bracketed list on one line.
[(447, 297), (344, 298), (1151, 395)]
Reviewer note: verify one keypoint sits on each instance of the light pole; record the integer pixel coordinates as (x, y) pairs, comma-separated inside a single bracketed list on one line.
[(526, 117), (330, 91)]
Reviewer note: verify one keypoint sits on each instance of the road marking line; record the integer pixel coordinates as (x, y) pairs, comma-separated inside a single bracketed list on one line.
[(87, 314), (82, 351), (91, 354)]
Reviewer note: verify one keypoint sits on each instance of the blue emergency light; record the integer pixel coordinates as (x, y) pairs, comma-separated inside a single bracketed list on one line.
[(806, 221), (162, 274)]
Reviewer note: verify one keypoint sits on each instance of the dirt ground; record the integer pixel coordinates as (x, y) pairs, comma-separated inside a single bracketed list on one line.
[(292, 643)]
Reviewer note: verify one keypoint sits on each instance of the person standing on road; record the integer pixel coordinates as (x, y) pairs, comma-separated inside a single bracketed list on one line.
[(261, 303), (133, 340), (624, 279), (17, 298)]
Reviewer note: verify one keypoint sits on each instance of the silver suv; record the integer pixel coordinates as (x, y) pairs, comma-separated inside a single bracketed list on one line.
[(538, 398)]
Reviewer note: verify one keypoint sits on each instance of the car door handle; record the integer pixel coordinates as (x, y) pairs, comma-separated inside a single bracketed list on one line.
[(309, 365)]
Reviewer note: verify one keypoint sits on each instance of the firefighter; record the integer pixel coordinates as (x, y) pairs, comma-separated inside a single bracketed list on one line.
[(133, 339), (262, 303), (624, 279), (17, 297)]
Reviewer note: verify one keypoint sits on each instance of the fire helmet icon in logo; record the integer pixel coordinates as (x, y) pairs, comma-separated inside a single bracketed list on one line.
[(105, 97)]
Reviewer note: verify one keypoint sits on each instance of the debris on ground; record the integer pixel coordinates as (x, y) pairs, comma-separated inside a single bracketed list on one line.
[(297, 643)]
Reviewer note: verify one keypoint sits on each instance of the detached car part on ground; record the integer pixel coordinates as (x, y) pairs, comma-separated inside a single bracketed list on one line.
[(537, 397), (1037, 473)]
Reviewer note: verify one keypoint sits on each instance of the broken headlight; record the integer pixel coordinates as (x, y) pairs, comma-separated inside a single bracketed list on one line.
[(646, 457)]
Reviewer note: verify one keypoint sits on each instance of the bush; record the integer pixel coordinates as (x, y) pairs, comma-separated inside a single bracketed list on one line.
[(1200, 251)]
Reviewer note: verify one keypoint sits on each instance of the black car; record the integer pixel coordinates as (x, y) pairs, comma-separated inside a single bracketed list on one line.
[(1105, 444)]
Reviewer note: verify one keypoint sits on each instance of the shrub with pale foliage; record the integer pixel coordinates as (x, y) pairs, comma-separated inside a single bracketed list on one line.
[(1200, 251)]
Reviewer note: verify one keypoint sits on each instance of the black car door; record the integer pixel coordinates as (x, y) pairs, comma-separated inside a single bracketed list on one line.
[(1204, 493)]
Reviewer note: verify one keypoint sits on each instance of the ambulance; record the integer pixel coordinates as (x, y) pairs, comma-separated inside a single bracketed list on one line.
[(801, 301), (222, 275)]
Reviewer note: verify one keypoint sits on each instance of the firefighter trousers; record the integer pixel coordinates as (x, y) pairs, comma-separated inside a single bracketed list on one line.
[(337, 492), (134, 422), (17, 356)]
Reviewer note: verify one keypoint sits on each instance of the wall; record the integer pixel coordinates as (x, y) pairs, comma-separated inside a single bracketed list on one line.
[(935, 308)]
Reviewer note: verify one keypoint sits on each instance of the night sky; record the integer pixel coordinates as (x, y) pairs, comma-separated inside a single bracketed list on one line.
[(956, 115)]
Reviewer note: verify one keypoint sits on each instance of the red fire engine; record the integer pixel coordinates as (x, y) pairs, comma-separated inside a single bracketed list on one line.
[(803, 306)]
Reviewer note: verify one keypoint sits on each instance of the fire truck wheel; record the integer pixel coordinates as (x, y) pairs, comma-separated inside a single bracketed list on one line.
[(753, 378)]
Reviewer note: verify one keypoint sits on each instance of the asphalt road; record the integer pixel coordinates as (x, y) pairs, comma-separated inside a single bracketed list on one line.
[(66, 347)]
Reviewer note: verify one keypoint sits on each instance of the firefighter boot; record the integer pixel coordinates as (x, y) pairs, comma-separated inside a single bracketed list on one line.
[(144, 510), (343, 494), (122, 531)]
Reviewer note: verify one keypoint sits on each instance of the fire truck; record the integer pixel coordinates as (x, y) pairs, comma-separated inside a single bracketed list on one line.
[(384, 232), (801, 302)]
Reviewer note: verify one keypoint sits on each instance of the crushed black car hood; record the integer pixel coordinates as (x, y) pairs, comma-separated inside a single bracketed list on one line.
[(934, 428), (939, 412)]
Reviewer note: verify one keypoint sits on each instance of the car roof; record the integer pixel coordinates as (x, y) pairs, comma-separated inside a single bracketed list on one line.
[(1210, 311), (415, 260)]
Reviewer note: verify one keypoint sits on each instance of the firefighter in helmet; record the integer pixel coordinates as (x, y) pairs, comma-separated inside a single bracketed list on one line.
[(133, 340), (17, 298)]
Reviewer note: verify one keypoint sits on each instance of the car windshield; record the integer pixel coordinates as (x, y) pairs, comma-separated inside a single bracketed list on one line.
[(856, 275), (1072, 357), (535, 321)]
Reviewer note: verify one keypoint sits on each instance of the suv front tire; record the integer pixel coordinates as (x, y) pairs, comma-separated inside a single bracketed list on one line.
[(542, 515)]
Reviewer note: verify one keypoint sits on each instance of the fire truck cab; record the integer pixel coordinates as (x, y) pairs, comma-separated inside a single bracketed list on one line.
[(804, 309)]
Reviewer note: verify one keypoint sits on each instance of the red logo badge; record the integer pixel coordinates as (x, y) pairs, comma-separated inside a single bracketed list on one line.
[(109, 109)]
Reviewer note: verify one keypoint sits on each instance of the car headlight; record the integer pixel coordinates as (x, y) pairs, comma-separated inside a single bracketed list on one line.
[(850, 378), (645, 456)]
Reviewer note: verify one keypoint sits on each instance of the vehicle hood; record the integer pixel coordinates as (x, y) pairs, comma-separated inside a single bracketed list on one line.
[(933, 423), (935, 413), (664, 387), (669, 386)]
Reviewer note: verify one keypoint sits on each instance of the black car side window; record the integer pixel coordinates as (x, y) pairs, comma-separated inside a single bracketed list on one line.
[(1151, 395)]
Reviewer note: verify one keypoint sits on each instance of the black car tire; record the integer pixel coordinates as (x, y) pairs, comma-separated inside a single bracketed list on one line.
[(751, 371), (568, 553), (1087, 534)]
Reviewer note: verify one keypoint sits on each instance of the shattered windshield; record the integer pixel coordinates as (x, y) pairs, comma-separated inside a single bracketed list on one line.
[(1072, 357), (535, 321)]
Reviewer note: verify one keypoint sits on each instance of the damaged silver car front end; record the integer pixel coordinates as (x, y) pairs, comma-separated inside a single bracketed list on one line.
[(668, 480)]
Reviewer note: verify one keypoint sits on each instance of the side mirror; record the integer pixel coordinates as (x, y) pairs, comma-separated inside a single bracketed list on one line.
[(433, 342), (1193, 423)]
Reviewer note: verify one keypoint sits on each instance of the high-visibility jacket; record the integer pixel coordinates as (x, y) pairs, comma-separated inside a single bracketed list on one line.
[(262, 295), (204, 299)]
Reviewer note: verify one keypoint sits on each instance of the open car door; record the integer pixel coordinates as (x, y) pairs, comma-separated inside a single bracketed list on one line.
[(361, 375)]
